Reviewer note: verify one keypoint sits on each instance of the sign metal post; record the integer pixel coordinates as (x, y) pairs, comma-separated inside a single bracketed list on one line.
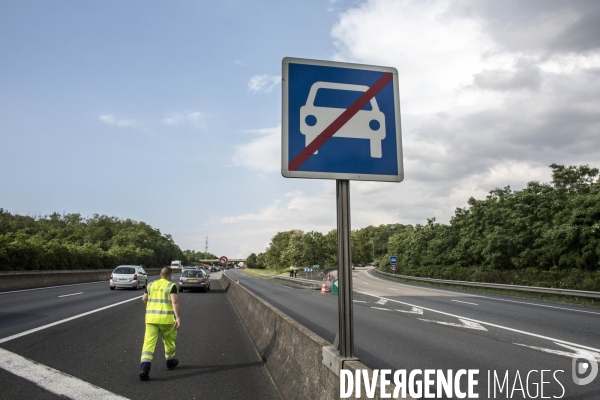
[(346, 323)]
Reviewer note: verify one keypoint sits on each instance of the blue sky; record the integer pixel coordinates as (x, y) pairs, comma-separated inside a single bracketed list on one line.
[(170, 112)]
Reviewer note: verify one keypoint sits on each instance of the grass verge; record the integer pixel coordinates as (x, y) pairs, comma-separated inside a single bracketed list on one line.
[(264, 273)]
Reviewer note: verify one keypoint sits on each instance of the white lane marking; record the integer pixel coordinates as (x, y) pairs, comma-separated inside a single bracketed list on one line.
[(381, 301), (393, 289), (51, 379), (493, 298), (365, 283), (359, 301), (18, 335), (414, 310), (72, 294), (379, 308), (465, 324), (54, 287), (488, 324), (466, 302), (578, 352)]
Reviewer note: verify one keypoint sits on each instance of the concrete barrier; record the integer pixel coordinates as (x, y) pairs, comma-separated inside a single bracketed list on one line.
[(36, 279), (292, 353)]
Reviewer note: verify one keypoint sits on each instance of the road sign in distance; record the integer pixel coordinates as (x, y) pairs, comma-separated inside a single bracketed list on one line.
[(223, 260), (393, 260), (393, 267), (340, 121)]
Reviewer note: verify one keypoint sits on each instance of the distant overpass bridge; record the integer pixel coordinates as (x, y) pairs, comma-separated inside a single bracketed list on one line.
[(216, 260)]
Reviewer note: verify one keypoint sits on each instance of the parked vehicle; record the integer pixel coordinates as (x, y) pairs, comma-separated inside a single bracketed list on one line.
[(194, 279), (128, 276)]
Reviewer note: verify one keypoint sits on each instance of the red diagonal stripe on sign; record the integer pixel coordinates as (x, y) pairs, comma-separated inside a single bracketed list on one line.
[(340, 121)]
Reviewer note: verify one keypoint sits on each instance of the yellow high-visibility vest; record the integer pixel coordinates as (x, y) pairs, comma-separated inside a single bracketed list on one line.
[(159, 309)]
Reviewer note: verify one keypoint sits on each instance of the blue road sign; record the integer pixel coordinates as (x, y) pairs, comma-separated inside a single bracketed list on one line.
[(340, 121), (393, 260)]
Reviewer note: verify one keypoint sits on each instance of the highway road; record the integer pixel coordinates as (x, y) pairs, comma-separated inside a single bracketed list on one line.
[(404, 326), (87, 339)]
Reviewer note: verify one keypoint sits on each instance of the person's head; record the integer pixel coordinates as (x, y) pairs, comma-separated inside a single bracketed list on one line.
[(166, 273)]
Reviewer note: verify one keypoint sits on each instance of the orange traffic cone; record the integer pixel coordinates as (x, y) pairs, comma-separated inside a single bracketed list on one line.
[(323, 288), (329, 276)]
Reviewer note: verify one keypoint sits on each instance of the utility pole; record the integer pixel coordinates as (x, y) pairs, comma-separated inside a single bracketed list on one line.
[(206, 248)]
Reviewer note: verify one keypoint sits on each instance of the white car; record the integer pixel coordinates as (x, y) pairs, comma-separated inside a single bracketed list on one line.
[(366, 124), (128, 276)]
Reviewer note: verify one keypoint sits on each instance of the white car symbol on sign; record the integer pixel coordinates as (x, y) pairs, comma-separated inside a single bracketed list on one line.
[(366, 124)]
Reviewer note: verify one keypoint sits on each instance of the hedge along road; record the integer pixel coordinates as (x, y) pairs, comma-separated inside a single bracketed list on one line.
[(101, 350), (412, 327)]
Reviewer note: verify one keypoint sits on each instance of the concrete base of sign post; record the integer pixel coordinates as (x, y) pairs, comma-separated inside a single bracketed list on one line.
[(333, 360)]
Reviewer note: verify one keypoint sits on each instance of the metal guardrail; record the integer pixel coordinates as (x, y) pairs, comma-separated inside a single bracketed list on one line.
[(534, 289), (314, 284)]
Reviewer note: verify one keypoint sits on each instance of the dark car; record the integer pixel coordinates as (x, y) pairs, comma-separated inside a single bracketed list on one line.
[(213, 269), (194, 279)]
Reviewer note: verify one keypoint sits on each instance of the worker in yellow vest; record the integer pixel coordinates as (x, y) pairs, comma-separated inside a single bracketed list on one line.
[(162, 317)]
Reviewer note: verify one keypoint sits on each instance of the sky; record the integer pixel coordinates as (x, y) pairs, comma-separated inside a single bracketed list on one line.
[(170, 112)]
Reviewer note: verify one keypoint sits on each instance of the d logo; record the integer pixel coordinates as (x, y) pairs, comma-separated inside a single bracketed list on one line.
[(584, 364)]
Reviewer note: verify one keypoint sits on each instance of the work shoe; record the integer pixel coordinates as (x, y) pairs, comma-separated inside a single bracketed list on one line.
[(144, 376), (172, 363)]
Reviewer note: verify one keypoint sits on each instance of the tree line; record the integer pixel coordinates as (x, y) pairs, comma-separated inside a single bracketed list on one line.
[(69, 241), (547, 234)]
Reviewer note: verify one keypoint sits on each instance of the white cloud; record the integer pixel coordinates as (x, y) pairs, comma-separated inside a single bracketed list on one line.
[(476, 115), (480, 110), (112, 120), (263, 83), (297, 210), (239, 62), (263, 153), (186, 118)]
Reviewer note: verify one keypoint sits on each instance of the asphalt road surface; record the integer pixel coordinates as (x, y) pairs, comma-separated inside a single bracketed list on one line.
[(403, 326), (87, 340)]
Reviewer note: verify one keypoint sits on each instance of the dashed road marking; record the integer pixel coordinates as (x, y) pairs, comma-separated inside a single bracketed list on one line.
[(493, 298), (72, 294), (489, 324), (18, 335), (53, 287), (466, 302)]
